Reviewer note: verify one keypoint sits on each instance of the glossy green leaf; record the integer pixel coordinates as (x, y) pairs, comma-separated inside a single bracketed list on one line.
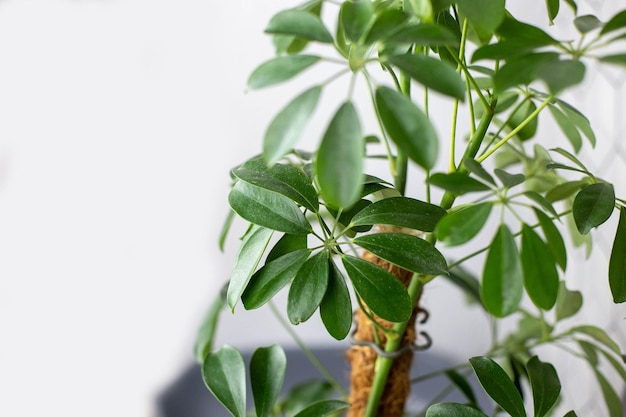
[(224, 373), (462, 385), (306, 393), (280, 69), (598, 335), (323, 408), (612, 400), (554, 239), (271, 278), (206, 332), (520, 115), (268, 209), (406, 251), (252, 248), (423, 34), (299, 23), (593, 206), (565, 190), (587, 23), (339, 163), (401, 212), (355, 16), (308, 288), (569, 129), (498, 385), (545, 385), (553, 9), (457, 227), (617, 263), (477, 169), (541, 278), (336, 306), (382, 292), (287, 180), (267, 373), (507, 179), (616, 22), (453, 410), (457, 183), (286, 128), (503, 279), (287, 244), (407, 126), (484, 15), (560, 75), (388, 22), (431, 73), (568, 303)]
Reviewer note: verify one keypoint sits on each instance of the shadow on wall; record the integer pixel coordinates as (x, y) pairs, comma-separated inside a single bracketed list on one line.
[(187, 396)]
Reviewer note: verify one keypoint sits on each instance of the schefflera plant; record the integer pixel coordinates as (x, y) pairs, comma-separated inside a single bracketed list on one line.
[(333, 233)]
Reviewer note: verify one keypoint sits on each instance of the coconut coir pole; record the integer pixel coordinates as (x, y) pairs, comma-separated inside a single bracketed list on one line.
[(363, 358)]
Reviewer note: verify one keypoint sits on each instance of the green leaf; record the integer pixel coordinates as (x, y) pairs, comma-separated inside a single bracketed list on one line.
[(545, 384), (280, 69), (553, 9), (589, 351), (521, 70), (565, 190), (570, 413), (323, 408), (308, 288), (286, 128), (267, 373), (542, 202), (423, 34), (388, 22), (509, 180), (382, 292), (504, 49), (598, 335), (587, 23), (579, 120), (299, 23), (618, 364), (225, 229), (616, 59), (336, 307), (457, 183), (503, 279), (541, 278), (355, 16), (407, 126), (457, 227), (522, 113), (553, 238), (269, 280), (339, 163), (612, 400), (406, 251), (461, 383), (252, 248), (559, 75), (453, 410), (571, 157), (568, 303), (498, 385), (267, 208), (432, 73), (224, 373), (567, 127), (593, 206), (524, 32), (484, 15), (287, 180), (401, 212), (477, 169), (287, 244), (306, 393), (616, 22), (206, 332), (617, 264)]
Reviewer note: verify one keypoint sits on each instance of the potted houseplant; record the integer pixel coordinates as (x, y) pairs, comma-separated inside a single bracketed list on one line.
[(360, 249)]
